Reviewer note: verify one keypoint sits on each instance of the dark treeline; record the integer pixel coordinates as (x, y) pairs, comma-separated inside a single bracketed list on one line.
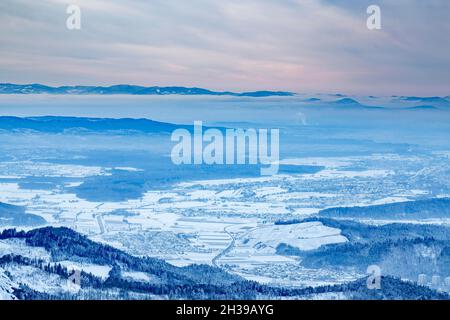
[(419, 209)]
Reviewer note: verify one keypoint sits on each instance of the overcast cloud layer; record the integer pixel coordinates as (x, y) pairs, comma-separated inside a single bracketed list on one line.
[(297, 45)]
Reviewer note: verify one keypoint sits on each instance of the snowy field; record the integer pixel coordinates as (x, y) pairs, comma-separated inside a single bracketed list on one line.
[(226, 222)]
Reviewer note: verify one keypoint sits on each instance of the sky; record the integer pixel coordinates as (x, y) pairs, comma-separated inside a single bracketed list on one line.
[(305, 46)]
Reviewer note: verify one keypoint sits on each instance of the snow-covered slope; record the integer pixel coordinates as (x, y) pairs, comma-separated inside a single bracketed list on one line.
[(6, 286), (304, 236)]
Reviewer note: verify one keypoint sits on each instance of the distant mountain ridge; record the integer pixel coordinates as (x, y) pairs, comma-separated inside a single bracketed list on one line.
[(53, 124), (9, 88), (350, 103), (426, 101)]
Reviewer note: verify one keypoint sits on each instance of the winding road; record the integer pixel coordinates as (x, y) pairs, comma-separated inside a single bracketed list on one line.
[(226, 250)]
